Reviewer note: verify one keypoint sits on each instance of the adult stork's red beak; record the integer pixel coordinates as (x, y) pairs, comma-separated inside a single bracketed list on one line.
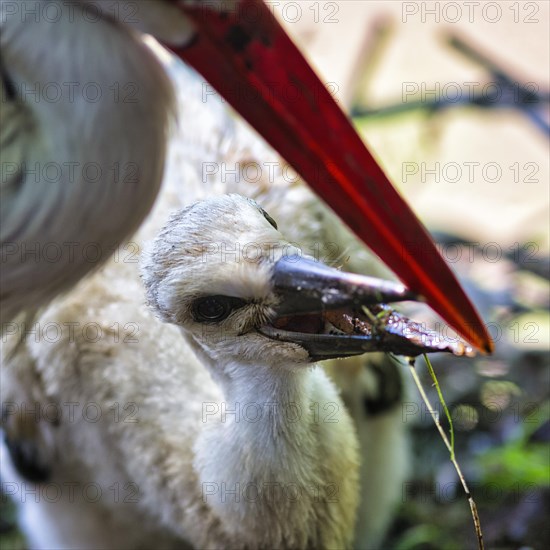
[(247, 56)]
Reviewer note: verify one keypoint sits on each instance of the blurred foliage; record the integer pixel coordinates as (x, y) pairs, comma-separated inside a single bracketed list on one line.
[(516, 463), (501, 414), (499, 404), (520, 461)]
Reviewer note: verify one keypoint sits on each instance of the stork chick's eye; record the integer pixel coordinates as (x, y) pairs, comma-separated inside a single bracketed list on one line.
[(213, 309)]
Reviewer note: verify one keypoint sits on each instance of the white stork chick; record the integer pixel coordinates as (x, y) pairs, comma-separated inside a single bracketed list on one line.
[(145, 412), (207, 275), (295, 469)]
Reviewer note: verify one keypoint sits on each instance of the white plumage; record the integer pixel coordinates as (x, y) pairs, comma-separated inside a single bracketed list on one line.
[(83, 140)]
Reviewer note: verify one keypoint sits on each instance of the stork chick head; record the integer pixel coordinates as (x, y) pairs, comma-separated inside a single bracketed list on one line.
[(222, 271), (210, 272)]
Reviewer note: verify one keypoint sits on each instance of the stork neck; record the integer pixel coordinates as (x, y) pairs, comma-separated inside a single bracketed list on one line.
[(275, 446), (275, 410), (268, 418), (248, 386), (266, 386)]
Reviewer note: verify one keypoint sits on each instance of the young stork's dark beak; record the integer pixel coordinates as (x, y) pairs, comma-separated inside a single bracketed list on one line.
[(245, 54), (332, 314)]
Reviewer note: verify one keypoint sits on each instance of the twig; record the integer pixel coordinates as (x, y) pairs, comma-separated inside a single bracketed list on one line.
[(450, 447)]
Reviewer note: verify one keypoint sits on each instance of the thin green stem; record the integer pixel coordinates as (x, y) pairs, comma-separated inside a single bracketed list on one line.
[(444, 405), (450, 447)]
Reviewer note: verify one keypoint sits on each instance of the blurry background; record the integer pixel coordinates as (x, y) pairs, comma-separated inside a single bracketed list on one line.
[(452, 97)]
